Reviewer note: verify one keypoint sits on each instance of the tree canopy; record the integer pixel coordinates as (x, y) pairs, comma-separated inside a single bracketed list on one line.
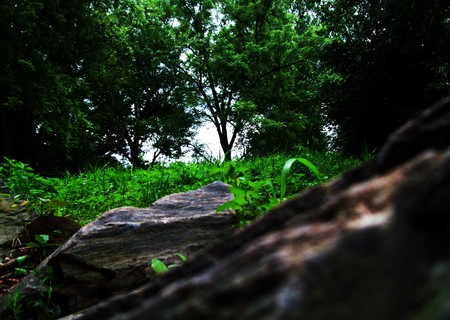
[(393, 59), (86, 82)]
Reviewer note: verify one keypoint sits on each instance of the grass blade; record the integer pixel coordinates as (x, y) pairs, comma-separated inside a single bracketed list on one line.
[(311, 167), (284, 175)]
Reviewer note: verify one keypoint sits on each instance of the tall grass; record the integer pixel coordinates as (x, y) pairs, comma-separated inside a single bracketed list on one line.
[(93, 192), (261, 182)]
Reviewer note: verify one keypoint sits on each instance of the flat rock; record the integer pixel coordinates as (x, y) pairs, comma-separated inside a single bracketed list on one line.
[(113, 254)]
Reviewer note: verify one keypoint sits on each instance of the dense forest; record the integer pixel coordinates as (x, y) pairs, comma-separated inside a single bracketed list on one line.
[(82, 81)]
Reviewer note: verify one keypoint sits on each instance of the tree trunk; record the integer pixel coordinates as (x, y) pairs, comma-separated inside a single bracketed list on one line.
[(135, 151), (5, 138), (223, 137), (226, 147)]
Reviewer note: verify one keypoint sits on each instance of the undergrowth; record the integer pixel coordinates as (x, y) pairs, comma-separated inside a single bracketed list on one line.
[(258, 183)]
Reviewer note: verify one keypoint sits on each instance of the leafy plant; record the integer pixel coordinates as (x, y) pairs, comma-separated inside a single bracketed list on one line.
[(44, 206), (252, 199), (22, 182), (160, 267), (41, 239), (287, 168), (40, 246), (43, 307), (16, 303), (20, 271)]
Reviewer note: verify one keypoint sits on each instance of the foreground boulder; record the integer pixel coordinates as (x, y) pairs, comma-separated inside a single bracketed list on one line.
[(113, 254), (371, 245)]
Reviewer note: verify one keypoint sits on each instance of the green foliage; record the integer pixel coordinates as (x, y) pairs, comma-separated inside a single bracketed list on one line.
[(41, 102), (391, 59), (16, 303), (38, 247), (35, 190), (182, 257), (287, 168), (41, 239), (136, 99), (83, 82), (160, 267), (258, 183), (44, 206), (244, 65), (20, 271), (91, 193), (253, 199), (42, 307), (22, 182)]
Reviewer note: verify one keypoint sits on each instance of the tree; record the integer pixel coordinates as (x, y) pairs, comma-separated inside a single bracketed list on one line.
[(41, 114), (392, 57), (231, 49), (83, 81), (290, 100), (136, 98)]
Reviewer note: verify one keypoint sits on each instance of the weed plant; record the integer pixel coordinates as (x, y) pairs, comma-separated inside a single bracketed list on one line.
[(262, 182), (23, 183), (41, 307)]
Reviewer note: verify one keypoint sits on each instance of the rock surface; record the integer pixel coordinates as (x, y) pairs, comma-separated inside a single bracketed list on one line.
[(113, 254), (13, 219), (371, 245)]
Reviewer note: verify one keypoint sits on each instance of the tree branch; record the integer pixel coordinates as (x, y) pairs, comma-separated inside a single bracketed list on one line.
[(277, 68)]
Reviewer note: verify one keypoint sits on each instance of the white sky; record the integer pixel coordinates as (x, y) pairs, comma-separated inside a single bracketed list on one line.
[(207, 135)]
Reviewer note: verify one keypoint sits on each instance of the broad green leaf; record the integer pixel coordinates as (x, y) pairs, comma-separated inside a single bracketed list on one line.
[(21, 259), (237, 192), (42, 239), (253, 194), (287, 168), (312, 167), (158, 266), (20, 271), (284, 174)]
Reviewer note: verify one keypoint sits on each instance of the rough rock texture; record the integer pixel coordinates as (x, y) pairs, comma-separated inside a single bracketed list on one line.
[(24, 244), (3, 188), (12, 222), (371, 245), (113, 254)]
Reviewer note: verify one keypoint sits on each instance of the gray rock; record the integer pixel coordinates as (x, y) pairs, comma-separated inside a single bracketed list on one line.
[(113, 254), (3, 188), (371, 245), (13, 219)]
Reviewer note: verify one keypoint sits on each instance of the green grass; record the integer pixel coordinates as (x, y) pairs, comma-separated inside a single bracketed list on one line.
[(258, 183)]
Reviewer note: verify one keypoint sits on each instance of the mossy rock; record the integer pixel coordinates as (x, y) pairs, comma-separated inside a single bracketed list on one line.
[(13, 219)]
